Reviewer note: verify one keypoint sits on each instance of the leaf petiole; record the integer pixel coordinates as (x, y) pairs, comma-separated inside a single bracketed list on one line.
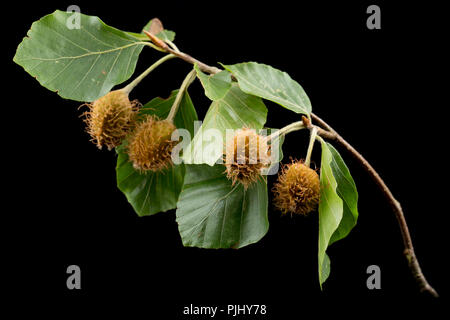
[(186, 82), (312, 139), (127, 89), (295, 126)]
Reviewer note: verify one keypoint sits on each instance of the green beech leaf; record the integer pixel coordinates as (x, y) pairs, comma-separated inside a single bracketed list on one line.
[(150, 193), (272, 84), (212, 213), (79, 64), (330, 209), (346, 189), (234, 111), (217, 85)]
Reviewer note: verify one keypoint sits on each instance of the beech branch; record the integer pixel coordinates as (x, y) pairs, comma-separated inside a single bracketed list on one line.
[(326, 131)]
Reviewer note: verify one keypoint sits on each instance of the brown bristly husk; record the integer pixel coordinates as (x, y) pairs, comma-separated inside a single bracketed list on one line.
[(150, 145), (246, 155), (110, 118), (297, 189)]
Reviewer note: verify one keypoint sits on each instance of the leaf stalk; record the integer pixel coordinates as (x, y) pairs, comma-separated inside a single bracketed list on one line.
[(312, 139), (294, 126), (186, 82), (127, 89)]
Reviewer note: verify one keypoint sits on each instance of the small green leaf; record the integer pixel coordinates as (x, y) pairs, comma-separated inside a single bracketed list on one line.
[(151, 193), (346, 189), (155, 27), (217, 85), (330, 208), (79, 64), (212, 213), (166, 35), (234, 111), (272, 84)]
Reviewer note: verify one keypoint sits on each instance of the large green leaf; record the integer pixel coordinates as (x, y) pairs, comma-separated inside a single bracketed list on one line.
[(272, 84), (150, 193), (212, 213), (216, 85), (234, 111), (330, 209), (79, 64), (346, 189)]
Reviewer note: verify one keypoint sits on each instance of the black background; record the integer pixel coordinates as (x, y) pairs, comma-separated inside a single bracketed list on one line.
[(381, 89)]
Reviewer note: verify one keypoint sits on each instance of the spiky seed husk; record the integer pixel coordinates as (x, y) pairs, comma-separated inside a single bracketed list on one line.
[(247, 153), (110, 118), (297, 189), (150, 145)]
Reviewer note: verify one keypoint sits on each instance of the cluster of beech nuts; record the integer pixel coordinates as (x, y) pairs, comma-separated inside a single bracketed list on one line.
[(113, 119)]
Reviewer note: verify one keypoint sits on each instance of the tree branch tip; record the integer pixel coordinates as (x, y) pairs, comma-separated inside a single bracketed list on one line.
[(431, 291)]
